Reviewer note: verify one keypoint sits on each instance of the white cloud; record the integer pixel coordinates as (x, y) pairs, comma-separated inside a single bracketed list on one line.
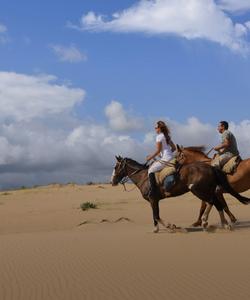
[(69, 54), (235, 5), (190, 19), (23, 97), (196, 133), (41, 153), (52, 154), (42, 142), (120, 120)]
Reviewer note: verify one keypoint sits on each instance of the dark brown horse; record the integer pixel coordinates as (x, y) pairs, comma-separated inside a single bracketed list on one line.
[(199, 178), (240, 180)]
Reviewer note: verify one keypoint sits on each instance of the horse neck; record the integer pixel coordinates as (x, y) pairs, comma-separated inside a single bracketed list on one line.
[(136, 177), (196, 156)]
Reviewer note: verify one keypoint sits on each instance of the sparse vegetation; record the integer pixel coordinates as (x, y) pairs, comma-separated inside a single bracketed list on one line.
[(88, 205), (5, 194), (89, 183), (71, 183)]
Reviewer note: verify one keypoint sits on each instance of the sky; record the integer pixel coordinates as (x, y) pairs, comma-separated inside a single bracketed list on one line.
[(83, 81)]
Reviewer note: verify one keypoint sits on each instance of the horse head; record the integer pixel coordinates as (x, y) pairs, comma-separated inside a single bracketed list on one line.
[(126, 167), (119, 171), (190, 154), (180, 155)]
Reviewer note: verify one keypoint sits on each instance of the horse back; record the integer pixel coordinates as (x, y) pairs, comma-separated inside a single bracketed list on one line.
[(240, 180)]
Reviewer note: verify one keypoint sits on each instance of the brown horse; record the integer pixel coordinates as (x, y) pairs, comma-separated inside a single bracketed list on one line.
[(199, 178), (240, 180)]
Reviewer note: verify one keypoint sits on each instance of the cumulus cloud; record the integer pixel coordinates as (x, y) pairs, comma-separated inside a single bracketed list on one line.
[(41, 153), (23, 97), (32, 154), (41, 141), (235, 5), (69, 54), (120, 120), (195, 133), (190, 19)]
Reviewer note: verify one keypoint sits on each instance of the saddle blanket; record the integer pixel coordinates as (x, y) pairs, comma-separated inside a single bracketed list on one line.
[(168, 170), (231, 166)]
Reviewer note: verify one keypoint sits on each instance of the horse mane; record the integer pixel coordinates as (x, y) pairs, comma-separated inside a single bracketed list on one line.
[(198, 149), (134, 162)]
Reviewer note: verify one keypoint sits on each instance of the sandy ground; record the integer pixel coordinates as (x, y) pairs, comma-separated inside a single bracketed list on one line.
[(51, 249)]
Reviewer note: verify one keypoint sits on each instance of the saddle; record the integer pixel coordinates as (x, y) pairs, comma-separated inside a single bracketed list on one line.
[(230, 167), (170, 169)]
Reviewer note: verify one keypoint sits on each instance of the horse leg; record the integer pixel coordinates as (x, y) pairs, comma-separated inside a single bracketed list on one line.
[(202, 210), (170, 227), (208, 200), (205, 216), (220, 208), (221, 198), (202, 195), (157, 219), (224, 222)]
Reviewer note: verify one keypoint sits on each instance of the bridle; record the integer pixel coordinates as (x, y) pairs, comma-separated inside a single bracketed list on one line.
[(125, 179)]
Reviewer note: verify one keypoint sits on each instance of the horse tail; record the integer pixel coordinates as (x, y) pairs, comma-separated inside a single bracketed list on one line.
[(222, 180)]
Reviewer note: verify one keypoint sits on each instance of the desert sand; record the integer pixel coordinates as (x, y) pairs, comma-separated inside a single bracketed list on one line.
[(51, 249)]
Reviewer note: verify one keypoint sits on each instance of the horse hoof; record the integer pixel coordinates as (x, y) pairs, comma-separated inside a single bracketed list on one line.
[(173, 227), (169, 228), (156, 229), (197, 224), (204, 224), (228, 227)]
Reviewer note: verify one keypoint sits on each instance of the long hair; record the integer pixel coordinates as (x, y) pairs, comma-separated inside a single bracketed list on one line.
[(165, 130)]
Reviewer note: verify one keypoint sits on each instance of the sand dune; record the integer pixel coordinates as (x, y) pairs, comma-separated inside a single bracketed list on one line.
[(51, 249)]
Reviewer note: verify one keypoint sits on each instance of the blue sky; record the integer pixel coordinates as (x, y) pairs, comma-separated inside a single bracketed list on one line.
[(166, 72), (182, 72)]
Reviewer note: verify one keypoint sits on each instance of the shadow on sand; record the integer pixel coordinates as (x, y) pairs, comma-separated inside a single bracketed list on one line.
[(238, 226), (211, 229)]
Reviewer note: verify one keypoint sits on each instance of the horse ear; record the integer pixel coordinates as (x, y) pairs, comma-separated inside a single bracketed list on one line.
[(178, 147), (182, 148), (118, 158)]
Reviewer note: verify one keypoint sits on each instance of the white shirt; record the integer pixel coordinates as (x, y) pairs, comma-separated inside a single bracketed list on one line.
[(166, 152)]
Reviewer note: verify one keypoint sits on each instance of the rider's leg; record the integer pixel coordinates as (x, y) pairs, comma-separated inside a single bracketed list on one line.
[(153, 191)]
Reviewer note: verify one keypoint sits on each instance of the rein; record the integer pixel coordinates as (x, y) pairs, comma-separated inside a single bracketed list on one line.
[(209, 151), (126, 179)]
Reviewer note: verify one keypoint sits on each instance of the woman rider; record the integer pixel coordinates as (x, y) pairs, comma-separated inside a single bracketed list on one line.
[(164, 148)]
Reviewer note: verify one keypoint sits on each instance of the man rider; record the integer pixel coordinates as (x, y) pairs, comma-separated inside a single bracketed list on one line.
[(228, 147)]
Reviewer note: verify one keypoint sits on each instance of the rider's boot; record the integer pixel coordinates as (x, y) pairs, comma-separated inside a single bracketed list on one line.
[(153, 190)]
